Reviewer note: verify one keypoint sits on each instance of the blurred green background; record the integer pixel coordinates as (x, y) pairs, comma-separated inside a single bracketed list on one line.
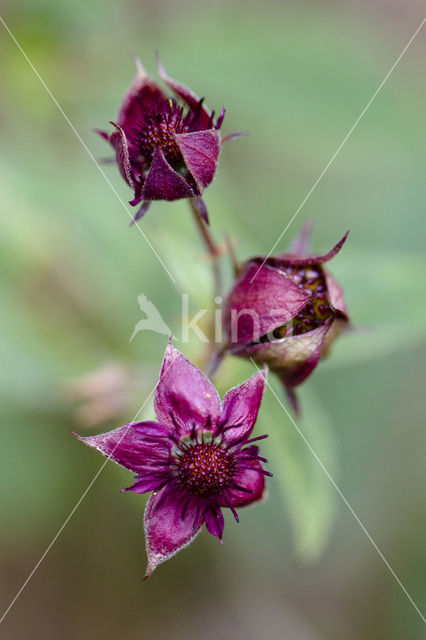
[(295, 75)]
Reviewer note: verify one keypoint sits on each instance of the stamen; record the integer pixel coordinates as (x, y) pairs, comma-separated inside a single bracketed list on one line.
[(266, 435), (249, 457), (232, 426), (241, 444), (263, 471), (234, 513), (205, 468), (234, 485), (175, 424)]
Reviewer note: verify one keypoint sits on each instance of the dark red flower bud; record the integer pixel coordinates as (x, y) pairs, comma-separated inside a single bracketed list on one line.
[(285, 311), (164, 150)]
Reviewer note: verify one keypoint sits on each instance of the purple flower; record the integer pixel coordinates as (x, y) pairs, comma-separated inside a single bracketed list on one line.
[(165, 151), (287, 314), (197, 459)]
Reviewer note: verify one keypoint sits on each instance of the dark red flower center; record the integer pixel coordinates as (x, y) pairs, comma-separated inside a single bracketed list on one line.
[(159, 129), (205, 468), (316, 312)]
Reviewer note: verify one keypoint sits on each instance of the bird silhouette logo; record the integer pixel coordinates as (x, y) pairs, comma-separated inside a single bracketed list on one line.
[(153, 320)]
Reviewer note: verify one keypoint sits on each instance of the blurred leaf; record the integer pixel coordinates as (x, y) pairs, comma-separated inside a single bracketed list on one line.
[(386, 298), (187, 259), (309, 496)]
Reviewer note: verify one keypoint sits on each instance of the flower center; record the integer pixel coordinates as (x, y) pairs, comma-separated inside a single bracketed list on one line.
[(205, 469), (159, 129), (313, 314), (318, 310)]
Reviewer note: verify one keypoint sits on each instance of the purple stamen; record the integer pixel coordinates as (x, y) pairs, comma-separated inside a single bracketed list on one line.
[(257, 469)]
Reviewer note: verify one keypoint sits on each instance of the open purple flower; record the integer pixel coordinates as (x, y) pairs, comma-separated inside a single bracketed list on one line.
[(286, 311), (197, 459), (165, 151)]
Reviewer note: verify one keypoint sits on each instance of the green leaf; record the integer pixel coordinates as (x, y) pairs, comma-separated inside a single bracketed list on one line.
[(308, 494), (383, 293)]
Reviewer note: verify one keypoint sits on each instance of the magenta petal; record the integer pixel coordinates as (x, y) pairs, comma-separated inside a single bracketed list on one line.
[(163, 183), (171, 523), (143, 95), (119, 142), (185, 398), (133, 446), (256, 307), (293, 358), (200, 151), (240, 407), (214, 521), (191, 99)]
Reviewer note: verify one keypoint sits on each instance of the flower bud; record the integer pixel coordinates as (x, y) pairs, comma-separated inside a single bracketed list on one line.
[(285, 311), (164, 150)]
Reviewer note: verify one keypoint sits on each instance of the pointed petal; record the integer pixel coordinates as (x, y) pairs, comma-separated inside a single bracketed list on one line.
[(294, 260), (185, 398), (250, 478), (214, 521), (240, 407), (302, 242), (169, 524), (135, 446), (119, 142), (255, 307), (163, 183), (200, 151), (293, 400), (143, 95), (192, 100), (232, 136)]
